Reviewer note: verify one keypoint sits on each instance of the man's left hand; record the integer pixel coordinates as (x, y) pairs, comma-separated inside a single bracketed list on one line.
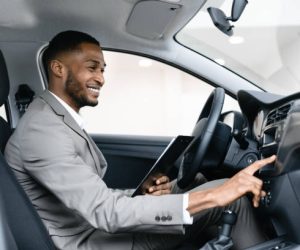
[(161, 186)]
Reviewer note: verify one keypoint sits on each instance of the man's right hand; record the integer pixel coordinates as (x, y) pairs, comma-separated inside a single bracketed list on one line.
[(240, 184)]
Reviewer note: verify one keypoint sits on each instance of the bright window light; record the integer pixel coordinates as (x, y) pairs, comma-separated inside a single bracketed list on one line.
[(236, 39), (145, 63), (220, 61)]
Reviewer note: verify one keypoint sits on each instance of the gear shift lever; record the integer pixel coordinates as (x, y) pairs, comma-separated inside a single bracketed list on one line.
[(223, 241), (228, 220)]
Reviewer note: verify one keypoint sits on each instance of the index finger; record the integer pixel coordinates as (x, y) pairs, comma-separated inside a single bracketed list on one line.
[(259, 164)]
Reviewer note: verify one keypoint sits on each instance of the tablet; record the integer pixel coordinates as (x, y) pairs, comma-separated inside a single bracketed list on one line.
[(164, 163)]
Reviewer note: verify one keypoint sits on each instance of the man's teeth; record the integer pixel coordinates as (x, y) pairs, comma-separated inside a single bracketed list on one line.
[(94, 90)]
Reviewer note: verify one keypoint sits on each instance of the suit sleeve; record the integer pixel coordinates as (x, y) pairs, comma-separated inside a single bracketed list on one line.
[(127, 192), (50, 156)]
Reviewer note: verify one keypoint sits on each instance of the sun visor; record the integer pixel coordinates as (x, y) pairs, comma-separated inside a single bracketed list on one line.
[(149, 19)]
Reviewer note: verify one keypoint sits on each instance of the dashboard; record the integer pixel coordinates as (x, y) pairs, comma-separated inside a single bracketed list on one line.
[(274, 126), (266, 117)]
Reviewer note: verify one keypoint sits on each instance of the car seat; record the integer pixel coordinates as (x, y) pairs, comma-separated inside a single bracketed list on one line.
[(20, 225)]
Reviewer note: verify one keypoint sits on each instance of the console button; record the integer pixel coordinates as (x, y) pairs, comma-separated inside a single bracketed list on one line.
[(251, 158)]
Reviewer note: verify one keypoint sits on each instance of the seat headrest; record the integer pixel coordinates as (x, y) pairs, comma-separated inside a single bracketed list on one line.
[(4, 83)]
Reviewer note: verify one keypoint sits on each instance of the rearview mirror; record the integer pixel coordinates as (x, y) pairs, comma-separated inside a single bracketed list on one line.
[(221, 21), (238, 7)]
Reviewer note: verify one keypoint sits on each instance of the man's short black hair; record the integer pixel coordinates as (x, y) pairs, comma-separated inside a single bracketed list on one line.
[(65, 41)]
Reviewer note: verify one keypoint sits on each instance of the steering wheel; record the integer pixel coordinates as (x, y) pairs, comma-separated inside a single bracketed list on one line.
[(203, 134)]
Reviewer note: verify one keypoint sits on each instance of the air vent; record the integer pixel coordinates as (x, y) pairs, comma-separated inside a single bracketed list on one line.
[(278, 114)]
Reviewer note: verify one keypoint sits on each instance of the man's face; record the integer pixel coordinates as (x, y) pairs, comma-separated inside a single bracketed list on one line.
[(84, 76)]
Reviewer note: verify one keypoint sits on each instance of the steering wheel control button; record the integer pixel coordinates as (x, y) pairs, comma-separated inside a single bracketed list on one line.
[(157, 218)]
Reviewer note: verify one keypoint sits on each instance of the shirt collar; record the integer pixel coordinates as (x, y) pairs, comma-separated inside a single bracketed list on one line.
[(76, 116)]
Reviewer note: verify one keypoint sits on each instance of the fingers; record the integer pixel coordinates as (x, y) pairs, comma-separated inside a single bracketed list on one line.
[(242, 183), (161, 192), (257, 192), (256, 199), (162, 179), (259, 164), (250, 184), (162, 186)]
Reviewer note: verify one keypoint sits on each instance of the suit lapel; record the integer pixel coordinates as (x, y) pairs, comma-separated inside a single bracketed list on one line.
[(99, 159)]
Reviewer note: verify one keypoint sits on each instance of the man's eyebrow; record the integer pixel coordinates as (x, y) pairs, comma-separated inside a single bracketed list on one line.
[(96, 62), (93, 61)]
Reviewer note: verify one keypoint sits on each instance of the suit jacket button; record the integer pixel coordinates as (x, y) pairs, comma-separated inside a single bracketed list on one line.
[(169, 217), (163, 218), (157, 218)]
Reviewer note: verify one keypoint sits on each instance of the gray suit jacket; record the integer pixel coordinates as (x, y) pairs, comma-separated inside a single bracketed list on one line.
[(61, 170)]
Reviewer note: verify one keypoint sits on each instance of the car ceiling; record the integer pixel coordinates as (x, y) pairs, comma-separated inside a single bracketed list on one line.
[(106, 20)]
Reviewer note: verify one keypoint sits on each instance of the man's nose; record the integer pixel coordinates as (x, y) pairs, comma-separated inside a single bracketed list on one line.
[(100, 79)]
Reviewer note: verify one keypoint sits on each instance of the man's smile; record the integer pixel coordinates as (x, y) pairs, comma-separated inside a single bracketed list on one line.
[(94, 90)]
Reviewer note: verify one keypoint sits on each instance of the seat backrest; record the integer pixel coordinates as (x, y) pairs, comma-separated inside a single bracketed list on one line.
[(4, 134), (22, 220), (7, 241), (20, 225), (5, 130)]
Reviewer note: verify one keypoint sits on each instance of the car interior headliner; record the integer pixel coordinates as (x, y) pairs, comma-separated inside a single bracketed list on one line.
[(108, 21)]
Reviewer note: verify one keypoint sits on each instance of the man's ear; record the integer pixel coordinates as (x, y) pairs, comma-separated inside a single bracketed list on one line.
[(57, 68)]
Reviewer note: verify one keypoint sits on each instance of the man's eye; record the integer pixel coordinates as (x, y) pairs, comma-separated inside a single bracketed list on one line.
[(92, 68)]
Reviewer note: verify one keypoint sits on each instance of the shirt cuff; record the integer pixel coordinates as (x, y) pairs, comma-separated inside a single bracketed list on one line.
[(187, 218)]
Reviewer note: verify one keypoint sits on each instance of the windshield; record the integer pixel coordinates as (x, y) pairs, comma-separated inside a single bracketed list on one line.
[(264, 47)]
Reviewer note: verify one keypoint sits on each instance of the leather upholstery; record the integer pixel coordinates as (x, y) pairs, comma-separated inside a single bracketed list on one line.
[(26, 228), (4, 83), (5, 132)]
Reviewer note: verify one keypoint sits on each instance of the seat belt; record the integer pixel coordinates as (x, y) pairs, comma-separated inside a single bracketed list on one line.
[(24, 97)]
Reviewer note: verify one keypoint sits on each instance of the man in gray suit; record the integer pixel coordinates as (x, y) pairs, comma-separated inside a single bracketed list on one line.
[(61, 170)]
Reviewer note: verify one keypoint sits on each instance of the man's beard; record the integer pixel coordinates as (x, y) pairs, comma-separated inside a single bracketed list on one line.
[(75, 90)]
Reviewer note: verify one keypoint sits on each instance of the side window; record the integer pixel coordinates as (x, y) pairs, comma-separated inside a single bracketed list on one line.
[(145, 97), (3, 113)]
